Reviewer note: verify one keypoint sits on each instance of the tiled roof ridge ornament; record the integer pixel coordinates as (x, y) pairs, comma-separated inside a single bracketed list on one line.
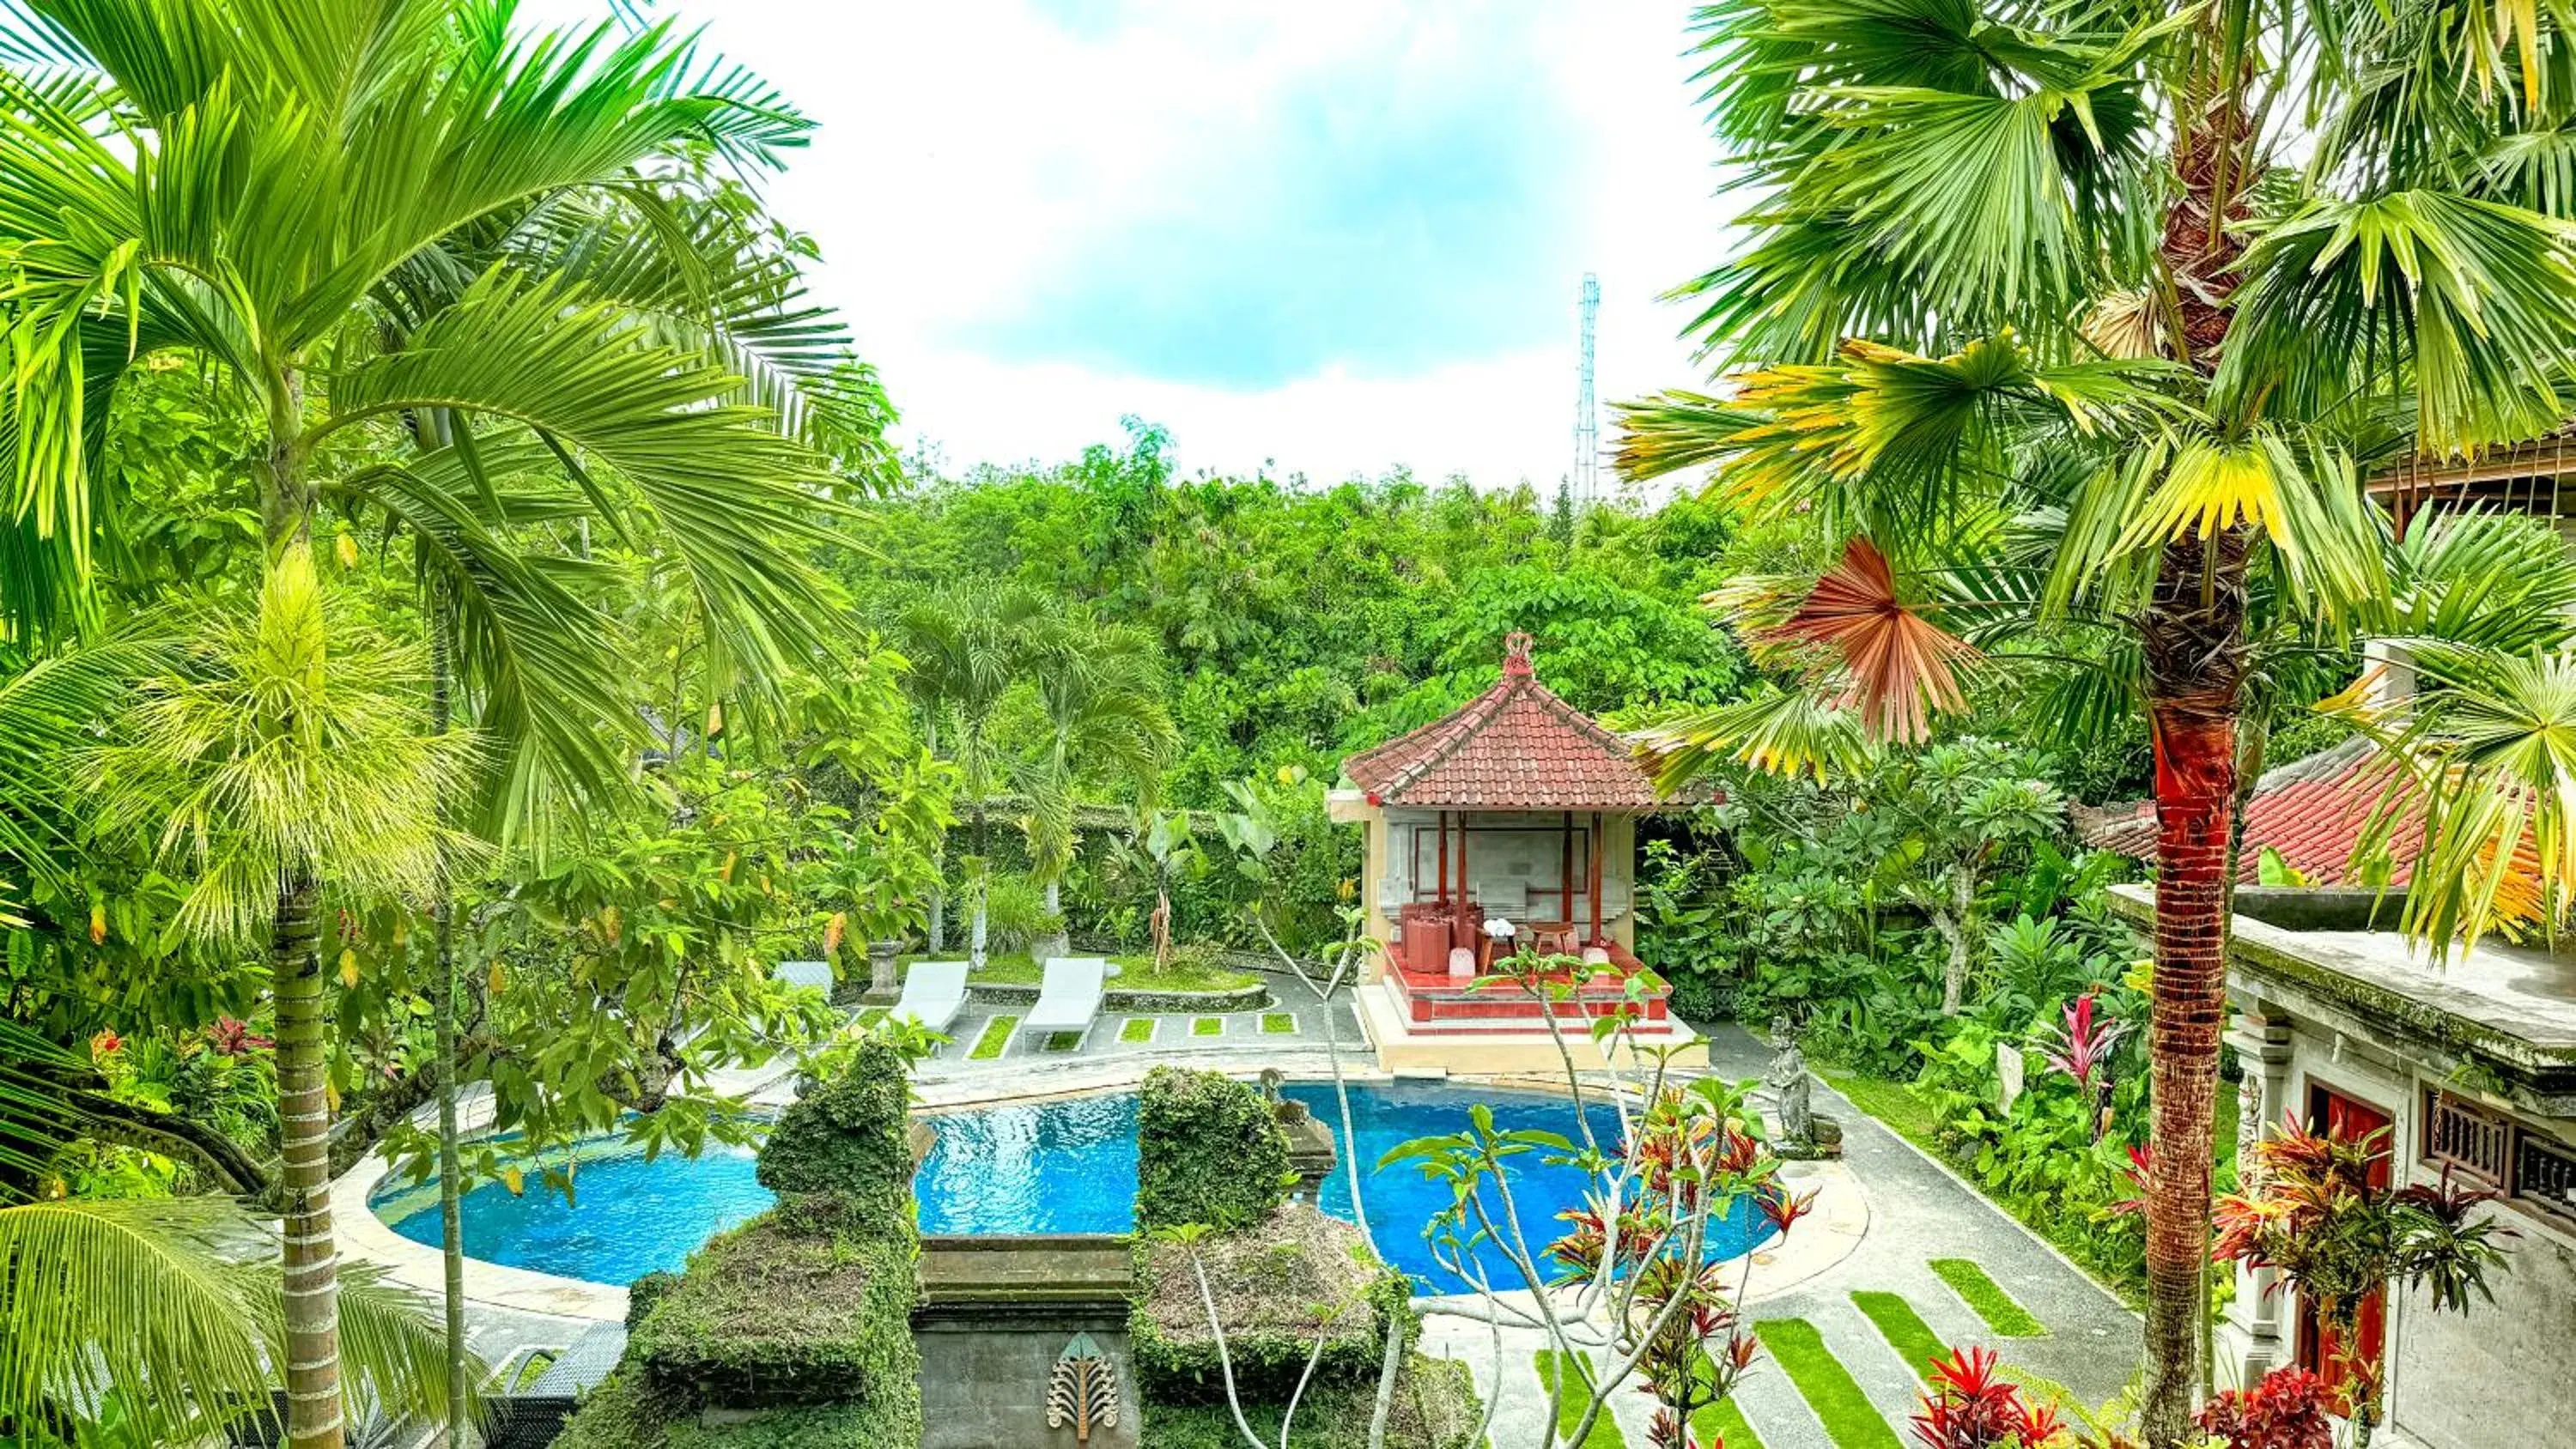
[(1516, 655)]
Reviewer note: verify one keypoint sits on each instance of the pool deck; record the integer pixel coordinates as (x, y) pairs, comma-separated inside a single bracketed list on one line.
[(1884, 1212)]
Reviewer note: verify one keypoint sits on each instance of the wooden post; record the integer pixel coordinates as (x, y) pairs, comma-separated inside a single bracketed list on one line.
[(1444, 858), (1565, 874), (1600, 836)]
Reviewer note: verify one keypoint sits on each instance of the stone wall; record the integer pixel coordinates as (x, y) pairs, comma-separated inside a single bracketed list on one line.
[(2506, 1372)]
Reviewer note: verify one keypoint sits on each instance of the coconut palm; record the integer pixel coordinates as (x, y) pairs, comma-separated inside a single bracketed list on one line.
[(2164, 282), (1100, 687), (236, 181)]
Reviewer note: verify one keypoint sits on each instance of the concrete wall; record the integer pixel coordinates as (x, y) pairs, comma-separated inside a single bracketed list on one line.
[(2504, 1373)]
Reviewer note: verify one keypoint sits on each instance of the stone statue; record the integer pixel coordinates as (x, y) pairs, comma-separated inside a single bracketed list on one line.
[(1791, 1089)]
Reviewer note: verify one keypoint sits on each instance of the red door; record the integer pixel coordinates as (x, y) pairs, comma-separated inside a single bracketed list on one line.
[(2321, 1349)]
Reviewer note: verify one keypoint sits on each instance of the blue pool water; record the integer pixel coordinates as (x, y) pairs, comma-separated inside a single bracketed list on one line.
[(1042, 1167)]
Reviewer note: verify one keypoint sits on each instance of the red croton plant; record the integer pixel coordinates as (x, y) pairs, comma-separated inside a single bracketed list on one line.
[(2316, 1209)]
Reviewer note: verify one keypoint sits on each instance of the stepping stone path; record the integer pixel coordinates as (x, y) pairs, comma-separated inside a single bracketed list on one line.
[(1813, 1384)]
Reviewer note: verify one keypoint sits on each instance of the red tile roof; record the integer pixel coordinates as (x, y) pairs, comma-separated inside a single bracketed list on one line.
[(2311, 811), (1517, 746)]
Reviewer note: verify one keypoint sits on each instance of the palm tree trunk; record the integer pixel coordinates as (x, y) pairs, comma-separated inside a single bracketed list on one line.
[(2193, 638), (451, 1222), (309, 1252), (311, 1257), (2194, 646)]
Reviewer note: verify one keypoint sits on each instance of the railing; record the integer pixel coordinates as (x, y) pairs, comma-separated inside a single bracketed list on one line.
[(2523, 1165)]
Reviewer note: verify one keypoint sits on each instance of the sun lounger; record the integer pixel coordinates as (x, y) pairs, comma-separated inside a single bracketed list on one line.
[(817, 974), (933, 993), (1068, 996)]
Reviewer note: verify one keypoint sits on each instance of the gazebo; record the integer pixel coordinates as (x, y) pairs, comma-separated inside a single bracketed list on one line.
[(1517, 811)]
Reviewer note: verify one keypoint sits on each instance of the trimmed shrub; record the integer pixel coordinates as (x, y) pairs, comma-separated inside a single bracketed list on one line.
[(1278, 1287), (849, 1134), (768, 1314), (1208, 1151), (872, 1425)]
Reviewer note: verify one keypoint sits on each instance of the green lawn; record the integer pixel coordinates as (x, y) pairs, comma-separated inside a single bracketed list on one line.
[(1135, 973), (1208, 1026), (1723, 1423), (1137, 1028), (2001, 1311), (1279, 1023), (1850, 1420), (1575, 1397), (997, 1035), (1061, 1041), (1907, 1333)]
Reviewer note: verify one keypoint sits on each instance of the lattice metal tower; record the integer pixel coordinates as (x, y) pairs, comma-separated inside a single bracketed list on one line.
[(1587, 422)]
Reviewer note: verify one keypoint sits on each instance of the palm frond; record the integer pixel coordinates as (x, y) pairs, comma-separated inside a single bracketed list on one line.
[(1780, 732), (731, 496), (169, 1301), (1898, 665)]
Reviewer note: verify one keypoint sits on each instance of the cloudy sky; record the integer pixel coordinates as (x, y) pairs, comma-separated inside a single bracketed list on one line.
[(1328, 237)]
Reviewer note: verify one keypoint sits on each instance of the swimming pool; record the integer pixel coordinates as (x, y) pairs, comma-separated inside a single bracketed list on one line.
[(1062, 1166)]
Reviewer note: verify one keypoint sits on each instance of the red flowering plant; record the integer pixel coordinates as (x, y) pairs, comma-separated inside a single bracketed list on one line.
[(2316, 1209), (1971, 1406), (2287, 1410)]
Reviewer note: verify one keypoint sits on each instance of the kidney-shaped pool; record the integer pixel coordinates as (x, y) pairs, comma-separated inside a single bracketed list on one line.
[(1061, 1166)]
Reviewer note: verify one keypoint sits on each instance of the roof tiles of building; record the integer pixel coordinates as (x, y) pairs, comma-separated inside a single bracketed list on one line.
[(2311, 812), (1517, 746)]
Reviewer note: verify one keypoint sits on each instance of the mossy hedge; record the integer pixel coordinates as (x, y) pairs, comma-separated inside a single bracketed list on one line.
[(1208, 1150), (1278, 1287), (1435, 1407), (850, 1134), (768, 1314), (793, 1331)]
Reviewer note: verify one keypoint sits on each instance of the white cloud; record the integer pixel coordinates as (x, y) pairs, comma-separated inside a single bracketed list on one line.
[(967, 148)]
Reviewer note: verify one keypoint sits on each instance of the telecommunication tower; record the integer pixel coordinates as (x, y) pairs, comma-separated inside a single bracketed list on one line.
[(1587, 424)]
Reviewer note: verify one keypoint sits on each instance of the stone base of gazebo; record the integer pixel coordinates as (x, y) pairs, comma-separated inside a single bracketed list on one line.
[(1505, 1042)]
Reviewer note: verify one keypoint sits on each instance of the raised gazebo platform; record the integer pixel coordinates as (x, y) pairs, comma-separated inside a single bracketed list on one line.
[(1517, 808)]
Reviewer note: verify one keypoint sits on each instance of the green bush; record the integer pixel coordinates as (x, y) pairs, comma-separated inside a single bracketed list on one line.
[(1435, 1407), (1208, 1150), (621, 1412), (1015, 914), (849, 1134), (1278, 1287), (644, 1292), (774, 1314)]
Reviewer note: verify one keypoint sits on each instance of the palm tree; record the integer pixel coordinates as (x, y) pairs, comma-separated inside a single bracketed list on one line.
[(2161, 283), (1101, 689), (234, 181), (968, 645)]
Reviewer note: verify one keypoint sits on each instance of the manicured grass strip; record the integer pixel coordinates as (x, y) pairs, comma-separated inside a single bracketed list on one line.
[(1138, 1028), (1829, 1389), (1208, 1026), (997, 1035), (1279, 1023), (1062, 1041), (1575, 1398), (1907, 1333), (1723, 1423), (2001, 1311)]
